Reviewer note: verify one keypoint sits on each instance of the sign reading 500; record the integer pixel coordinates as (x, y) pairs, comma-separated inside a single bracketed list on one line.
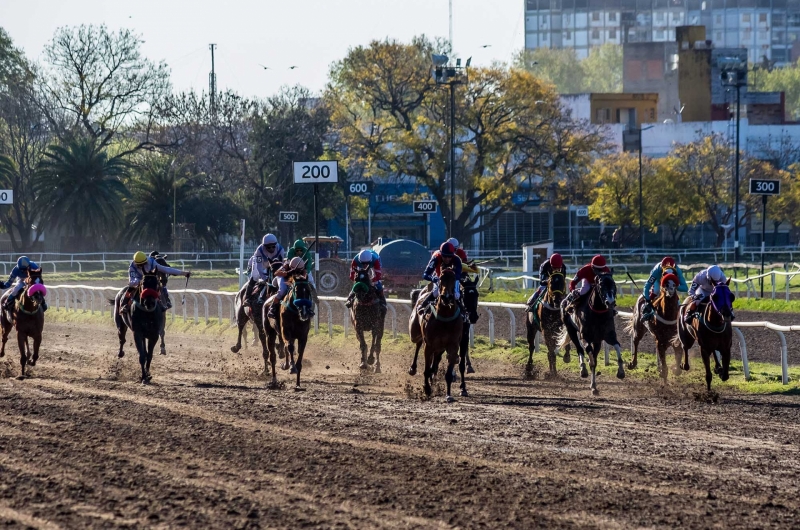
[(317, 172)]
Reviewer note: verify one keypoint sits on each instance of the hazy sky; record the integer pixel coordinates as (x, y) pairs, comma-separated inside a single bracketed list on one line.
[(309, 34)]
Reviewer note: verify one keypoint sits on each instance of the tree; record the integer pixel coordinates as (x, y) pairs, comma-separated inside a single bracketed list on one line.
[(80, 191), (99, 83), (602, 70), (670, 199), (705, 165), (389, 122), (559, 66), (615, 180), (787, 80)]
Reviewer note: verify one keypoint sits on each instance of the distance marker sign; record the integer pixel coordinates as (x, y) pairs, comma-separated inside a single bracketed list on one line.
[(765, 187), (358, 188), (426, 206), (317, 172), (289, 217)]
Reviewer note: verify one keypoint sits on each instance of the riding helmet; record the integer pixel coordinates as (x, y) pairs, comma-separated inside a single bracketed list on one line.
[(447, 249), (556, 261), (300, 245), (140, 258), (668, 262), (297, 264), (270, 239), (715, 273), (453, 241), (23, 262), (365, 256), (598, 261)]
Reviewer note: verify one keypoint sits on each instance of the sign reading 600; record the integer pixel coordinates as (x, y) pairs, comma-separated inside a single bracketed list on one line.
[(317, 172)]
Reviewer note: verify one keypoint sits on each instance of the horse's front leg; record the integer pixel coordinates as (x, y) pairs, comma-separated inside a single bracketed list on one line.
[(290, 357), (362, 346), (532, 331), (241, 323), (122, 330), (377, 338), (22, 343), (620, 362), (706, 354), (301, 347), (636, 337), (151, 346), (413, 369), (592, 350), (161, 333), (428, 373), (37, 342), (449, 375)]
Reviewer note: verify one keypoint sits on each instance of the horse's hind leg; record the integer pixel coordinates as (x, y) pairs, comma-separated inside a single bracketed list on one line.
[(636, 337), (362, 346), (22, 342), (462, 362), (238, 346), (452, 360), (413, 369), (591, 350), (377, 339), (532, 331), (301, 347), (706, 354), (161, 334), (122, 330), (37, 342)]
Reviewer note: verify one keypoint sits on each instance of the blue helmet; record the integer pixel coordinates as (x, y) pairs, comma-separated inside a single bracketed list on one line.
[(23, 262)]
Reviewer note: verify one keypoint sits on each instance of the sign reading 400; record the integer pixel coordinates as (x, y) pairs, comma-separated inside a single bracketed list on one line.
[(317, 172)]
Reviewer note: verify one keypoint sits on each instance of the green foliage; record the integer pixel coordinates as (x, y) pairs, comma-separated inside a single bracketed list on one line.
[(787, 80), (600, 72), (616, 183)]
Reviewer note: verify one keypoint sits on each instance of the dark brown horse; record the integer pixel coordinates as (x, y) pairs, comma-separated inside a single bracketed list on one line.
[(440, 329), (713, 332), (547, 321), (27, 318), (295, 322), (367, 315), (663, 327), (254, 312)]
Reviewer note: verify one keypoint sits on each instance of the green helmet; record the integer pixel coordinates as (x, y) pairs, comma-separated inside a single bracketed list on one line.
[(299, 245)]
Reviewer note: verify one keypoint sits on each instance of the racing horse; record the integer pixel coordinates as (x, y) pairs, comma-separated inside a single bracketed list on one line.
[(145, 320), (592, 323), (254, 312), (440, 329), (664, 327), (27, 318), (123, 324), (546, 319), (712, 331), (469, 296), (294, 323), (368, 315)]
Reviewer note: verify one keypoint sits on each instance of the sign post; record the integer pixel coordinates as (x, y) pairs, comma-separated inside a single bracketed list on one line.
[(359, 188), (765, 188), (289, 217), (426, 207), (316, 172)]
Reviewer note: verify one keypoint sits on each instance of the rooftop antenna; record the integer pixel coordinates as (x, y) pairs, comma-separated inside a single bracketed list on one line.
[(212, 84)]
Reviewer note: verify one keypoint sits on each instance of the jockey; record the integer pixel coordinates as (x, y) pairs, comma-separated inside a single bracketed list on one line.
[(369, 260), (290, 268), (163, 278), (143, 264), (466, 265), (652, 286), (300, 250), (268, 253), (585, 276), (702, 286), (17, 278), (548, 267), (444, 258)]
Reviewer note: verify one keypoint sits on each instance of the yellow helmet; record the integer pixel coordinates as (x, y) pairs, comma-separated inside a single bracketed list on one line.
[(140, 258)]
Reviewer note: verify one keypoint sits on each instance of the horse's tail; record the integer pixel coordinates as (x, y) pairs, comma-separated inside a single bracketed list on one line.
[(630, 322), (563, 338)]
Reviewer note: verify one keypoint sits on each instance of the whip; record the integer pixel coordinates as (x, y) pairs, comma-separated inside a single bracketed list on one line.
[(183, 300), (634, 281)]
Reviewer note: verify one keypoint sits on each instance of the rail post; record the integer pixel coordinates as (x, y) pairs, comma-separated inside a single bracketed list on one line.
[(743, 351), (491, 326), (513, 324), (346, 315), (394, 320)]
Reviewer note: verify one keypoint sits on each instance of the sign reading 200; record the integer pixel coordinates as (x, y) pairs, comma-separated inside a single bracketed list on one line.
[(317, 172)]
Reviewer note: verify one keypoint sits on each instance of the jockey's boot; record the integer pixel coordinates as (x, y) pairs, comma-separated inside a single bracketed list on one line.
[(350, 299), (9, 304), (532, 300), (382, 299), (648, 312), (569, 302), (273, 309), (689, 316), (425, 303)]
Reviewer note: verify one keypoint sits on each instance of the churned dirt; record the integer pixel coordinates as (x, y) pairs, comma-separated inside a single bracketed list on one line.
[(206, 445)]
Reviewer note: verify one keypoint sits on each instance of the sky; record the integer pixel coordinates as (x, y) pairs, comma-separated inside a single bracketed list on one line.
[(308, 34)]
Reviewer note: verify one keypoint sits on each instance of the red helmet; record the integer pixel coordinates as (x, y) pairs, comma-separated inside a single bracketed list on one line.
[(668, 262), (556, 261), (598, 261), (447, 249)]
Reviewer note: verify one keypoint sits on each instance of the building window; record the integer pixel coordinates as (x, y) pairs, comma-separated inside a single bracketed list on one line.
[(676, 16), (659, 34), (746, 18), (603, 115), (719, 37), (612, 17), (659, 17), (567, 35), (544, 36), (762, 17), (612, 34), (595, 34), (762, 35), (747, 34), (595, 16), (718, 20)]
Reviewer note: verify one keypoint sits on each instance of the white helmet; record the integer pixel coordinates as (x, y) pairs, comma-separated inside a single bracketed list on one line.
[(715, 273), (297, 264), (270, 239), (365, 256), (453, 241)]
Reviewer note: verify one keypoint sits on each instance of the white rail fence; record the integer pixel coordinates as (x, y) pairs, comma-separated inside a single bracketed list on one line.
[(84, 298)]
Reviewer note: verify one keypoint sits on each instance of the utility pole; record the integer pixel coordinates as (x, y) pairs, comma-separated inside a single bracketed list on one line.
[(212, 84), (451, 26), (452, 158)]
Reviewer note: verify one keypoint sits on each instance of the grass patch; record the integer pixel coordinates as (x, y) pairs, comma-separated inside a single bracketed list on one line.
[(122, 275)]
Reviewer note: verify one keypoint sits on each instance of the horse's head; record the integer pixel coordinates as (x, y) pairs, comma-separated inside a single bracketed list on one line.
[(722, 300), (34, 276), (301, 297), (363, 285), (669, 284), (556, 287), (149, 298), (469, 293), (37, 292), (447, 285), (606, 289)]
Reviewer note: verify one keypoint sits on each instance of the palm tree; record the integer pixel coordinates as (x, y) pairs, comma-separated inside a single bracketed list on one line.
[(80, 190), (156, 192)]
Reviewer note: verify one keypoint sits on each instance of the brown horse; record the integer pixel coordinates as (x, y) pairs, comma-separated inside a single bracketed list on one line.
[(295, 322), (368, 315), (713, 332), (663, 327), (255, 313), (27, 318), (441, 330), (547, 321)]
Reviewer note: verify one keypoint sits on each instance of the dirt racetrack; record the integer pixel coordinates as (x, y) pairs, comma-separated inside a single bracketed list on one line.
[(83, 445)]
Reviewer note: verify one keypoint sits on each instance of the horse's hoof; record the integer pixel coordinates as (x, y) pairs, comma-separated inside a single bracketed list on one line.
[(285, 366), (470, 369), (293, 370), (676, 370), (362, 366), (464, 392), (31, 362), (235, 349), (595, 392), (412, 371), (685, 366), (298, 388), (145, 381), (121, 354), (567, 358), (163, 352), (2, 354), (20, 377), (377, 368), (428, 390), (584, 371), (632, 366), (273, 385), (371, 360), (449, 399), (716, 370), (620, 373)]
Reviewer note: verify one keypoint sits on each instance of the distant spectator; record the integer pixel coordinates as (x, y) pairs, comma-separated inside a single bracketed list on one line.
[(616, 238), (603, 239)]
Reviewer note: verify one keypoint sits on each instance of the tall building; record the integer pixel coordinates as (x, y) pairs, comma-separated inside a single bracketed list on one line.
[(766, 28)]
